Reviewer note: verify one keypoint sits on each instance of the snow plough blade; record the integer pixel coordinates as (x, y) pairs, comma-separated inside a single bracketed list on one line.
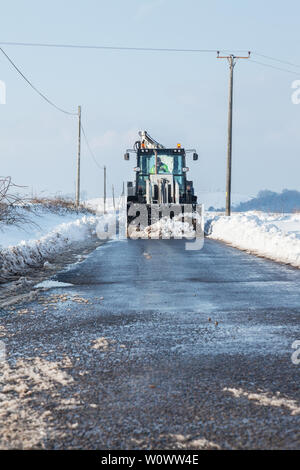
[(164, 221)]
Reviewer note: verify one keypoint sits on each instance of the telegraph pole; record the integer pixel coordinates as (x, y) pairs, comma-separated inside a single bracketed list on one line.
[(104, 199), (77, 197), (232, 59), (113, 196)]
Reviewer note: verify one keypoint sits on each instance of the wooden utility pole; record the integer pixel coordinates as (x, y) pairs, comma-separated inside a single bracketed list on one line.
[(104, 198), (77, 197), (229, 141), (232, 61), (113, 196)]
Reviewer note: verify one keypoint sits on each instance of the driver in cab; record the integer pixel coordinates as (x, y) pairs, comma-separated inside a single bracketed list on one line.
[(161, 167)]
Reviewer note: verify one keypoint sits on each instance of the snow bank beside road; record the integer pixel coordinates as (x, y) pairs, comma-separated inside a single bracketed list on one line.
[(36, 221), (274, 236), (34, 252)]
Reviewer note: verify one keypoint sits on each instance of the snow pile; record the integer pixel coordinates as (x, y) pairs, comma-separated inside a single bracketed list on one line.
[(49, 284), (166, 228), (37, 220), (16, 258), (47, 232), (273, 236), (265, 399)]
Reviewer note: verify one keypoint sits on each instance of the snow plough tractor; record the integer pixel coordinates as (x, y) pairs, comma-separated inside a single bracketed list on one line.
[(161, 189)]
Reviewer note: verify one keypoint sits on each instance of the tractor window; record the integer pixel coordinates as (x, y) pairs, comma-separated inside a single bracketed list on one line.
[(177, 170), (166, 164), (142, 183), (146, 162), (180, 181)]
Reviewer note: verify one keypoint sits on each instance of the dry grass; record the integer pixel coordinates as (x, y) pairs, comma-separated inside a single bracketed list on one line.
[(16, 209), (59, 203)]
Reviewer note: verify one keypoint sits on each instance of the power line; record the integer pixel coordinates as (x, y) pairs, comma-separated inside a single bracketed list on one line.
[(274, 67), (277, 60), (116, 48), (34, 88), (89, 148), (134, 48)]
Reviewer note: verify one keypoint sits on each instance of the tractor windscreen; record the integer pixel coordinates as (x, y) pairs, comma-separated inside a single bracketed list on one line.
[(167, 163)]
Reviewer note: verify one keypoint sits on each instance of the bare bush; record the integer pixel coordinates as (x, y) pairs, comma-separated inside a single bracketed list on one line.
[(10, 203)]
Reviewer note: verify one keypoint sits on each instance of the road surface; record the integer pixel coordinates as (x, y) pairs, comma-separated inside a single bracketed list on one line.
[(155, 347)]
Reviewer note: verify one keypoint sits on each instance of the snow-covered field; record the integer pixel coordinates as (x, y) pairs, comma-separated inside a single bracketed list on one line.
[(97, 204), (274, 236), (40, 222)]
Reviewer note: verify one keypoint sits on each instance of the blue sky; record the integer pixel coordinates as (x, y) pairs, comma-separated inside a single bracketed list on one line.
[(176, 97)]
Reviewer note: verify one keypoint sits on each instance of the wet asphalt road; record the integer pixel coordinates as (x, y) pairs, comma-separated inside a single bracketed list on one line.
[(147, 367)]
